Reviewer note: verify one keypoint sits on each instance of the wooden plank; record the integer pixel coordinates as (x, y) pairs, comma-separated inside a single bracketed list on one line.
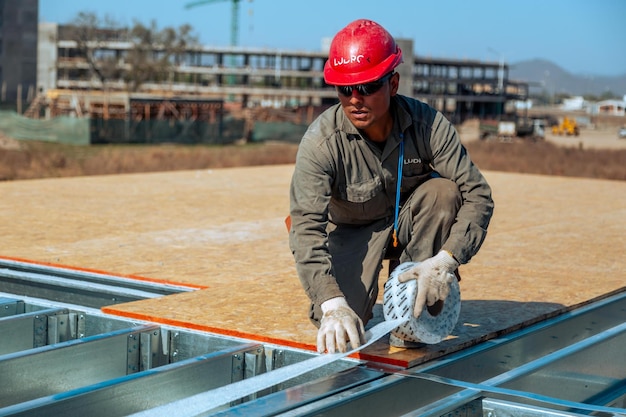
[(554, 243)]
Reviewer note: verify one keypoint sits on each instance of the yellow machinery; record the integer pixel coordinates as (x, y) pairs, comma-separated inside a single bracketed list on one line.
[(567, 127)]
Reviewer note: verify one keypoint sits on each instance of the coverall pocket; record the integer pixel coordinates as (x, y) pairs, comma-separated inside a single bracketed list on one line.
[(361, 192)]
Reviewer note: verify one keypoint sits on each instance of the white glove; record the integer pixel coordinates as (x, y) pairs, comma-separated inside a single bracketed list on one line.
[(339, 321), (434, 276)]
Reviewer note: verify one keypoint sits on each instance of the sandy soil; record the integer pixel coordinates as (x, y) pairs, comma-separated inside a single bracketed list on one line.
[(601, 138), (590, 139)]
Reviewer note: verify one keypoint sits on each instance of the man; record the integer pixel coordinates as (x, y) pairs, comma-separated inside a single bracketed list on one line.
[(379, 176)]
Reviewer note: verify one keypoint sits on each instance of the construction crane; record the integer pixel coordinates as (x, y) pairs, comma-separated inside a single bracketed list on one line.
[(234, 19)]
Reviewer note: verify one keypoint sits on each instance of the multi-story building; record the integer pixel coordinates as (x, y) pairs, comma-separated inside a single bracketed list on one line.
[(253, 77), (18, 51)]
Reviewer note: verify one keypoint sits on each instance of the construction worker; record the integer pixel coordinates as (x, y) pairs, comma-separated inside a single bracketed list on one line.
[(348, 208)]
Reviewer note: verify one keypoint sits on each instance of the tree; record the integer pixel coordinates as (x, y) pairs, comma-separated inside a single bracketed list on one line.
[(91, 34), (156, 53), (152, 57)]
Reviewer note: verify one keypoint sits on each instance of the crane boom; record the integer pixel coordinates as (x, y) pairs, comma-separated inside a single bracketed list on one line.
[(234, 19)]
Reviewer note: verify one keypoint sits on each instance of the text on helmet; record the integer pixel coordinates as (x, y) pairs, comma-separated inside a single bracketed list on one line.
[(350, 60)]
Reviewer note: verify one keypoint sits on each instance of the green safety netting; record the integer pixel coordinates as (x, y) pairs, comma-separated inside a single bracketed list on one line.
[(85, 131), (70, 130), (278, 131), (166, 131)]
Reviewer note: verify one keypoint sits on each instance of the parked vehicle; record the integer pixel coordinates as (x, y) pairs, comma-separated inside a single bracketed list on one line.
[(622, 133), (507, 130), (567, 127)]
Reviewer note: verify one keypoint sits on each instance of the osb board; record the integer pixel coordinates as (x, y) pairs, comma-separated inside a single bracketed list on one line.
[(554, 243)]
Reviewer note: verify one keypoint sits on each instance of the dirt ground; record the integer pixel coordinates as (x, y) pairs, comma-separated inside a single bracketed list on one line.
[(604, 137), (590, 139)]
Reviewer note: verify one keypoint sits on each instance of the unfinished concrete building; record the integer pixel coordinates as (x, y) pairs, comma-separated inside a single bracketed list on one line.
[(250, 77)]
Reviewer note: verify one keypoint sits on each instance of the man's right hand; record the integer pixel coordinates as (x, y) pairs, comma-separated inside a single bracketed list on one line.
[(434, 276), (339, 321)]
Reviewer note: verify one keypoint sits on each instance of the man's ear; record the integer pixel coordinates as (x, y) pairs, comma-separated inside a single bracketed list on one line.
[(394, 84)]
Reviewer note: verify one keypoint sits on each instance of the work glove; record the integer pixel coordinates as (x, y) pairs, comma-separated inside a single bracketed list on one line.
[(339, 321), (434, 276)]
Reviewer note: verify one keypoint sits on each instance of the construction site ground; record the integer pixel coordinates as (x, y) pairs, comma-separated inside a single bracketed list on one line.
[(554, 243)]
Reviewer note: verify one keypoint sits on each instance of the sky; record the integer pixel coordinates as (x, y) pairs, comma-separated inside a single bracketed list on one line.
[(584, 37)]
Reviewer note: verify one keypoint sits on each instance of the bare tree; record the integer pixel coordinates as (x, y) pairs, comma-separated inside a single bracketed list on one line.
[(153, 56), (156, 53), (91, 35)]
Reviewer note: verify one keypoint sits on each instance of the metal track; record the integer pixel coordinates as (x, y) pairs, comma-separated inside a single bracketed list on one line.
[(77, 287), (59, 355)]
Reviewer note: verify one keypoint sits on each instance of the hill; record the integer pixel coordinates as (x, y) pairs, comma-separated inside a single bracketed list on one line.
[(544, 75)]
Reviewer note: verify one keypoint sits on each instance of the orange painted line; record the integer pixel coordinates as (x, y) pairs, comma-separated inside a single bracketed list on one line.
[(96, 271), (382, 359), (188, 325), (244, 335)]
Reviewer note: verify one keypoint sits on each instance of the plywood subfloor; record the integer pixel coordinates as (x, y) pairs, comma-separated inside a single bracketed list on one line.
[(554, 243)]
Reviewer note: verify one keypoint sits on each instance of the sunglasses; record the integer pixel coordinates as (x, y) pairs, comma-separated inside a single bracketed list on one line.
[(364, 89)]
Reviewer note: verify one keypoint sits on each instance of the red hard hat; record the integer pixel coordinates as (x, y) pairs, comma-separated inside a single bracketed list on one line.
[(360, 53)]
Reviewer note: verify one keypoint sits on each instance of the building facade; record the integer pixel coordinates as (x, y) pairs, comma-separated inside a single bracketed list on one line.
[(18, 51), (260, 77)]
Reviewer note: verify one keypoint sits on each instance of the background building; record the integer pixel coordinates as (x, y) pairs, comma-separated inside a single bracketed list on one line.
[(18, 51), (101, 74), (76, 72)]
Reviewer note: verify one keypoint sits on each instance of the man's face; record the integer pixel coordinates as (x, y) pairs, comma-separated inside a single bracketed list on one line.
[(370, 113)]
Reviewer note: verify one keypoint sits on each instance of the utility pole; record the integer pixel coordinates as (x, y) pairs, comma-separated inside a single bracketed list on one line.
[(501, 92)]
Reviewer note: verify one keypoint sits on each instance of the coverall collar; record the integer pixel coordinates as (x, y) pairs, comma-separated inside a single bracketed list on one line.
[(401, 121)]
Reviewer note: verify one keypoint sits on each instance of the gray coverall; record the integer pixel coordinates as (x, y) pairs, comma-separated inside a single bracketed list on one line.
[(343, 199)]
